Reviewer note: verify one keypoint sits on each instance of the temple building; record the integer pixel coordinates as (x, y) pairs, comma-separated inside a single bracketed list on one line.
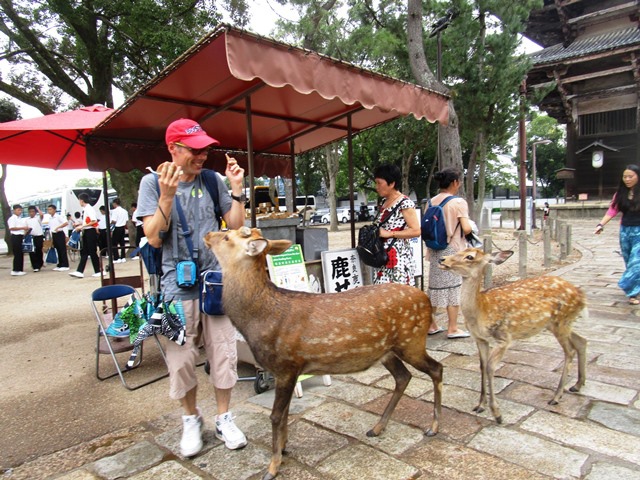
[(588, 77)]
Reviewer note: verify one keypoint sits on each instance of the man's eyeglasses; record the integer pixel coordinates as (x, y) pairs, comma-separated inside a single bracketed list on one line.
[(195, 151)]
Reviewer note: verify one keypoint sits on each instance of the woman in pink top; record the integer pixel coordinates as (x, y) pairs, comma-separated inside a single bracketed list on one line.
[(444, 285), (627, 201)]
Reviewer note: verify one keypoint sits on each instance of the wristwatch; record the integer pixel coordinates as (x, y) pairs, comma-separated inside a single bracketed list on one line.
[(242, 198)]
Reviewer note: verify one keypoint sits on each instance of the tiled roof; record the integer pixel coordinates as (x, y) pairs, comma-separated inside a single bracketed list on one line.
[(588, 45)]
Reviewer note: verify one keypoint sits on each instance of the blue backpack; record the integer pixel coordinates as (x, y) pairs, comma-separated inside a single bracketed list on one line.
[(433, 229)]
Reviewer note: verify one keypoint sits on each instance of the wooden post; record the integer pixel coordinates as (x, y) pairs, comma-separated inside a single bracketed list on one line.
[(562, 229), (546, 234), (569, 239), (487, 247), (522, 260)]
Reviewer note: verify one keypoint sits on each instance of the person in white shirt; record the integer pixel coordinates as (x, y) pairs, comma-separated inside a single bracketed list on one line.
[(89, 248), (102, 231), (119, 219), (138, 223), (18, 227), (34, 222), (58, 229)]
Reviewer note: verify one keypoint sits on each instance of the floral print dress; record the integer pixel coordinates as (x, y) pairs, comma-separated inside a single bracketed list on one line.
[(401, 267)]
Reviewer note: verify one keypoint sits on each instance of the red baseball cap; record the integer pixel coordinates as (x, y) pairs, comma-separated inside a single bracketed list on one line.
[(189, 133)]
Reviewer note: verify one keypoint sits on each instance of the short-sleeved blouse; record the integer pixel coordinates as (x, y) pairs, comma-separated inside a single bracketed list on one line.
[(401, 266)]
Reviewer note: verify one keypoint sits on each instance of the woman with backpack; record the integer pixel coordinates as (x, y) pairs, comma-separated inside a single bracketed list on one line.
[(399, 223), (445, 285)]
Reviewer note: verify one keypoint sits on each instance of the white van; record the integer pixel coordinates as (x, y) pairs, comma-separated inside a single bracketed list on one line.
[(300, 202)]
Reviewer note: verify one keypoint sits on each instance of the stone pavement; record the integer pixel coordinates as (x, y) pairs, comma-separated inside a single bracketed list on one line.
[(594, 434)]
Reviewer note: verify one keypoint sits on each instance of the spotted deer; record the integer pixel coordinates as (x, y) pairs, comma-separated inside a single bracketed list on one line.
[(513, 312), (293, 333)]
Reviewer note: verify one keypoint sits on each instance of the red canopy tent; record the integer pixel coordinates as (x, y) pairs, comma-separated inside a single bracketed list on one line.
[(258, 96), (265, 101), (53, 141)]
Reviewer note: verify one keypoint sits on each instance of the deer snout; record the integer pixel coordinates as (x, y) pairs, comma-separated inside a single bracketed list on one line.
[(442, 264), (211, 238)]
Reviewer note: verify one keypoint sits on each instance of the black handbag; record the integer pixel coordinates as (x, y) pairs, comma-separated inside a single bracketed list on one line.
[(371, 247)]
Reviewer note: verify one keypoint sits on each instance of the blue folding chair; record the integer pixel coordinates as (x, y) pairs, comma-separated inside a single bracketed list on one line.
[(105, 304)]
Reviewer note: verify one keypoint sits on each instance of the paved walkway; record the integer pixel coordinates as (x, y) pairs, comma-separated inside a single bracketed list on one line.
[(594, 434)]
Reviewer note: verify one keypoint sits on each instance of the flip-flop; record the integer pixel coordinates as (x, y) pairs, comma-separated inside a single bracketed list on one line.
[(453, 336), (634, 301), (438, 330)]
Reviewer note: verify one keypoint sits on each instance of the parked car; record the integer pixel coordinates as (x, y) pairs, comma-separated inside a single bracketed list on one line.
[(343, 216), (317, 217)]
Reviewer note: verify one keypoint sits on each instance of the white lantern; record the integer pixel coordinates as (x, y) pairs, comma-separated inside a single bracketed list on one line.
[(597, 158)]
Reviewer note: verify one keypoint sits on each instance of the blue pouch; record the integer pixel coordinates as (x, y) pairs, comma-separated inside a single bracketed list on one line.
[(211, 293)]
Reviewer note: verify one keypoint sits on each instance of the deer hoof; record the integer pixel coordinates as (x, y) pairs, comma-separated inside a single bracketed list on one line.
[(371, 433), (553, 402), (430, 433), (499, 419), (478, 409), (268, 476), (574, 389)]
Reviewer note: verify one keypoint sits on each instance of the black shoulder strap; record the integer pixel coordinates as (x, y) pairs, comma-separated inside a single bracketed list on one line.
[(211, 183), (390, 213)]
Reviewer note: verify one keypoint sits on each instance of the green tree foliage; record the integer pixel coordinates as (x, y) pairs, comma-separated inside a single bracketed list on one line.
[(479, 65), (549, 158)]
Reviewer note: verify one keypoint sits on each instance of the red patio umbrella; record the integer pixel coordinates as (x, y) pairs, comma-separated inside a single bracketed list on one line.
[(52, 141)]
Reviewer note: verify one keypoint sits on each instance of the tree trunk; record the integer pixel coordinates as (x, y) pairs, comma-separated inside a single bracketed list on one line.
[(449, 137), (5, 207), (126, 185), (333, 165), (482, 186)]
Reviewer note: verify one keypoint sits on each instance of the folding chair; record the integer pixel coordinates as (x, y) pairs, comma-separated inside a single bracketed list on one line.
[(104, 302)]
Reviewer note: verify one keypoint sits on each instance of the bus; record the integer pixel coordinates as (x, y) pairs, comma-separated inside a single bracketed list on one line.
[(65, 200), (300, 203)]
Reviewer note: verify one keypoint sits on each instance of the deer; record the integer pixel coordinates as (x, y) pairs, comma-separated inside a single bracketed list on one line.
[(292, 333), (516, 311)]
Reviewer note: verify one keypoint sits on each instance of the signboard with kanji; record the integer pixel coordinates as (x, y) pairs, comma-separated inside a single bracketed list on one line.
[(341, 270), (287, 270)]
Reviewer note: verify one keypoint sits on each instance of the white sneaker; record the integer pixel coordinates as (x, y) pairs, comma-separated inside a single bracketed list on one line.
[(135, 258), (36, 270), (191, 442), (17, 274), (97, 274), (77, 274), (56, 269), (229, 433), (62, 269)]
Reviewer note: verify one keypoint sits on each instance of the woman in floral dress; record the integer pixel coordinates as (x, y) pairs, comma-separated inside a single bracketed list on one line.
[(400, 224)]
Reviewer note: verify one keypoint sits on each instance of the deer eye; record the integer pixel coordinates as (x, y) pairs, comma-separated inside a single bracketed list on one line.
[(469, 257)]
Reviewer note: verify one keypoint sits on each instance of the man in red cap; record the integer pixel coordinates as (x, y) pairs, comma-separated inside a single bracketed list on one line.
[(180, 180)]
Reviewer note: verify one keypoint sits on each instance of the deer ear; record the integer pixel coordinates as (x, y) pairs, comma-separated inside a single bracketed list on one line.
[(500, 256), (256, 247), (276, 247)]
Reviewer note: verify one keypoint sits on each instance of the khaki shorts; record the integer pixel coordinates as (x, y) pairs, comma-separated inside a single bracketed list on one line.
[(218, 336)]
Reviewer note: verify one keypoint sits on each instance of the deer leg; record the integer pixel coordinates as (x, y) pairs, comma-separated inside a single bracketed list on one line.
[(483, 353), (423, 362), (279, 415), (496, 355), (402, 377), (580, 345)]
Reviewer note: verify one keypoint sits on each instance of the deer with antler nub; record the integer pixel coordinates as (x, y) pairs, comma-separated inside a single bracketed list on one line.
[(292, 333), (516, 311)]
